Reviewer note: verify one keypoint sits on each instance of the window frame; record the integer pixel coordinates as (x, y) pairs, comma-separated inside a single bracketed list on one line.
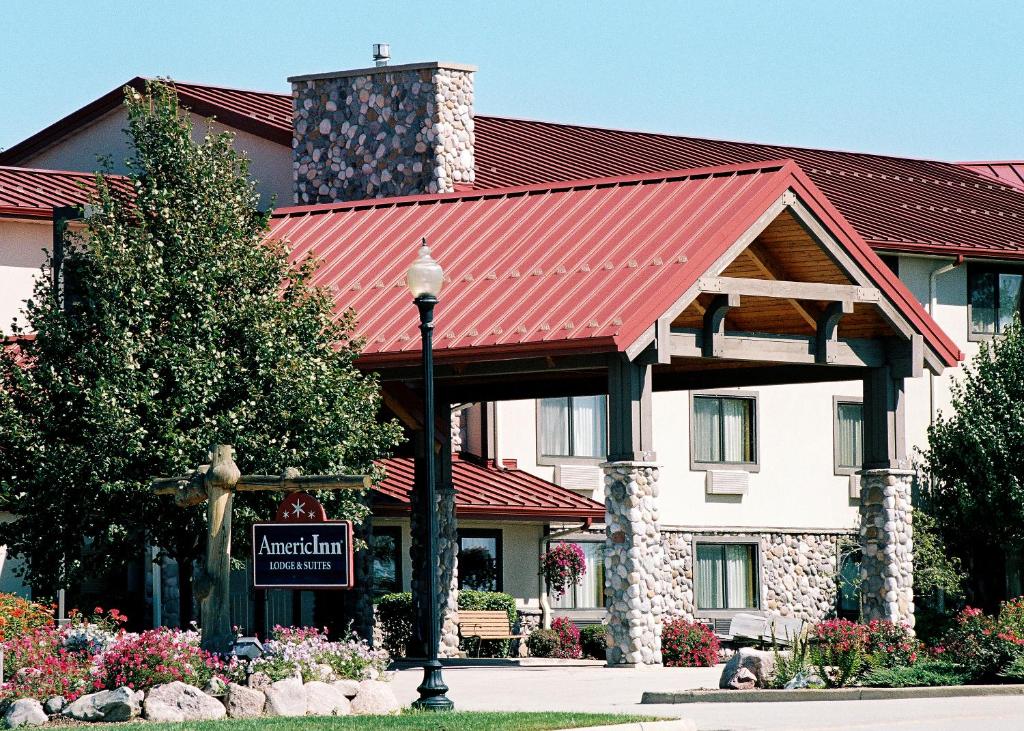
[(997, 269), (499, 557), (836, 402), (754, 541), (395, 531), (700, 466), (552, 460)]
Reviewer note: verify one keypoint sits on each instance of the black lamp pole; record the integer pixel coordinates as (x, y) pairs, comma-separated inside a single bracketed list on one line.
[(432, 690)]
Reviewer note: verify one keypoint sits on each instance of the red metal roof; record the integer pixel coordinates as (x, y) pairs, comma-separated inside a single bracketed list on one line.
[(31, 193), (894, 203), (487, 492), (1010, 172), (555, 268)]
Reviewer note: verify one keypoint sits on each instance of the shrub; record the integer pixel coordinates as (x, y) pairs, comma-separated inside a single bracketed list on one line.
[(493, 601), (594, 641), (839, 650), (40, 667), (568, 639), (1011, 616), (790, 664), (890, 645), (19, 615), (978, 644), (563, 565), (688, 644), (927, 672), (542, 642), (92, 634), (157, 656), (305, 649)]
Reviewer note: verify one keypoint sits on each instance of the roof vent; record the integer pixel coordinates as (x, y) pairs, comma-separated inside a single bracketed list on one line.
[(381, 53)]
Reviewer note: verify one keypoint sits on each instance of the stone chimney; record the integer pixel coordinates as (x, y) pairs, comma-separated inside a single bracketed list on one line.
[(383, 131)]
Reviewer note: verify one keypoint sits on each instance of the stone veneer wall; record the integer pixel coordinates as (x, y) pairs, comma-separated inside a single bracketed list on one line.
[(381, 132), (887, 545), (798, 572)]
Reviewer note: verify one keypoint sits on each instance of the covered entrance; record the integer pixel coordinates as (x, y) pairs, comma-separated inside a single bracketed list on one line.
[(729, 276)]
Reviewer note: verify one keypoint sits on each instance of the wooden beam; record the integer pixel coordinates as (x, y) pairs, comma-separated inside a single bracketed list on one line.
[(789, 290), (771, 348), (885, 440), (771, 269), (714, 323), (827, 328), (630, 431)]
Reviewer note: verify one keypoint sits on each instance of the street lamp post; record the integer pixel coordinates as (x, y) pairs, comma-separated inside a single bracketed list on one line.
[(424, 280)]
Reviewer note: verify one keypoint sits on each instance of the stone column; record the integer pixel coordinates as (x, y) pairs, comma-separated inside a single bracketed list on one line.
[(887, 545), (638, 578)]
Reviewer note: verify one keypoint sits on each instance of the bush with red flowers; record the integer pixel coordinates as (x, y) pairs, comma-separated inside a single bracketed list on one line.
[(39, 666), (838, 650), (891, 645), (688, 645), (568, 639), (157, 656), (980, 645)]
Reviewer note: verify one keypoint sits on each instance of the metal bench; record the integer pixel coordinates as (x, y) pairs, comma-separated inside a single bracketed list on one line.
[(485, 624)]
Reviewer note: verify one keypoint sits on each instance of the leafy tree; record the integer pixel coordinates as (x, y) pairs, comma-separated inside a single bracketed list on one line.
[(975, 462), (180, 327)]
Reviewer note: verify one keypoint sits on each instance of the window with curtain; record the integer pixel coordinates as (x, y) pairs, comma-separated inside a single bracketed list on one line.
[(723, 429), (995, 297), (849, 435), (480, 560), (576, 426), (726, 576), (590, 593), (387, 560)]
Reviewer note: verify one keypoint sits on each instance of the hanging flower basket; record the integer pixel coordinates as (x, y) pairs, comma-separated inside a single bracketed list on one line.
[(563, 566)]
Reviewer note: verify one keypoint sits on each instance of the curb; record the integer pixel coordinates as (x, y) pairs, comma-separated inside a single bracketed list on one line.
[(676, 724), (835, 694)]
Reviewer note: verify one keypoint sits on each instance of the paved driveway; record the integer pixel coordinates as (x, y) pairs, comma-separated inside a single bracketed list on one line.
[(555, 688)]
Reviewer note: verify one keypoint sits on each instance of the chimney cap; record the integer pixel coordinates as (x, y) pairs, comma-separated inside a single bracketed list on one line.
[(381, 53), (385, 70)]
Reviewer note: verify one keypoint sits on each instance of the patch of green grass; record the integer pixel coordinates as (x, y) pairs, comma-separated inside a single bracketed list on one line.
[(408, 721)]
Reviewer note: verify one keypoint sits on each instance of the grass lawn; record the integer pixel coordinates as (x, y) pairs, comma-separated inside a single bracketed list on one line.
[(410, 720)]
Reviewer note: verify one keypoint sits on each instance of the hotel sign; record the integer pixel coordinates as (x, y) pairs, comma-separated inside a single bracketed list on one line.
[(302, 550)]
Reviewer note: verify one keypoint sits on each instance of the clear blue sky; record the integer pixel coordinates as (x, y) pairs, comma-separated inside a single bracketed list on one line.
[(929, 79)]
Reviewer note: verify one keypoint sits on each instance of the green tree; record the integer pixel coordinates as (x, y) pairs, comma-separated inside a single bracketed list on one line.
[(180, 326), (975, 464)]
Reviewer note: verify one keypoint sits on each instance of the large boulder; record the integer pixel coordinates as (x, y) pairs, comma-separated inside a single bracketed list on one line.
[(286, 698), (349, 687), (243, 702), (375, 697), (259, 681), (25, 712), (176, 702), (55, 705), (760, 663), (323, 699), (122, 704)]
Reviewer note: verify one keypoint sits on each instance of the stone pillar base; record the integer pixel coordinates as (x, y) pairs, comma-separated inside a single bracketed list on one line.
[(887, 545), (637, 573)]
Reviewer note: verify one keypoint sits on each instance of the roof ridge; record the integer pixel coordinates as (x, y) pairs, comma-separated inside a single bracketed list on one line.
[(553, 186)]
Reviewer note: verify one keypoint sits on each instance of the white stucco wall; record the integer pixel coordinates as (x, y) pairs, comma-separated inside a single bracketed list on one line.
[(21, 256), (270, 163), (10, 582)]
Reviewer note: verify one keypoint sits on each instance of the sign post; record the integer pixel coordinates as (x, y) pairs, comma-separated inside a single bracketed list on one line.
[(215, 484)]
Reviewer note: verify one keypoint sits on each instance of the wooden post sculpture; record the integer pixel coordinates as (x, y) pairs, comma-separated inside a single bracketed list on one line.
[(216, 484)]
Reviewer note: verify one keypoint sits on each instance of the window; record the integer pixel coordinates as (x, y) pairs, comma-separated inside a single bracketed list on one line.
[(480, 560), (723, 430), (848, 596), (726, 576), (849, 435), (994, 296), (387, 560), (576, 426), (590, 593)]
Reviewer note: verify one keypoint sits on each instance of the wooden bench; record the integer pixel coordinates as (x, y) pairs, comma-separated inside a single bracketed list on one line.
[(485, 624), (763, 628)]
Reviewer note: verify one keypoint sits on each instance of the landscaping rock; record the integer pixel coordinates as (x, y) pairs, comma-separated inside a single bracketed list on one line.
[(759, 662), (243, 702), (259, 681), (743, 680), (176, 702), (122, 704), (286, 698), (55, 705), (216, 687), (25, 712), (326, 673), (323, 699), (349, 687), (375, 697), (805, 679)]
